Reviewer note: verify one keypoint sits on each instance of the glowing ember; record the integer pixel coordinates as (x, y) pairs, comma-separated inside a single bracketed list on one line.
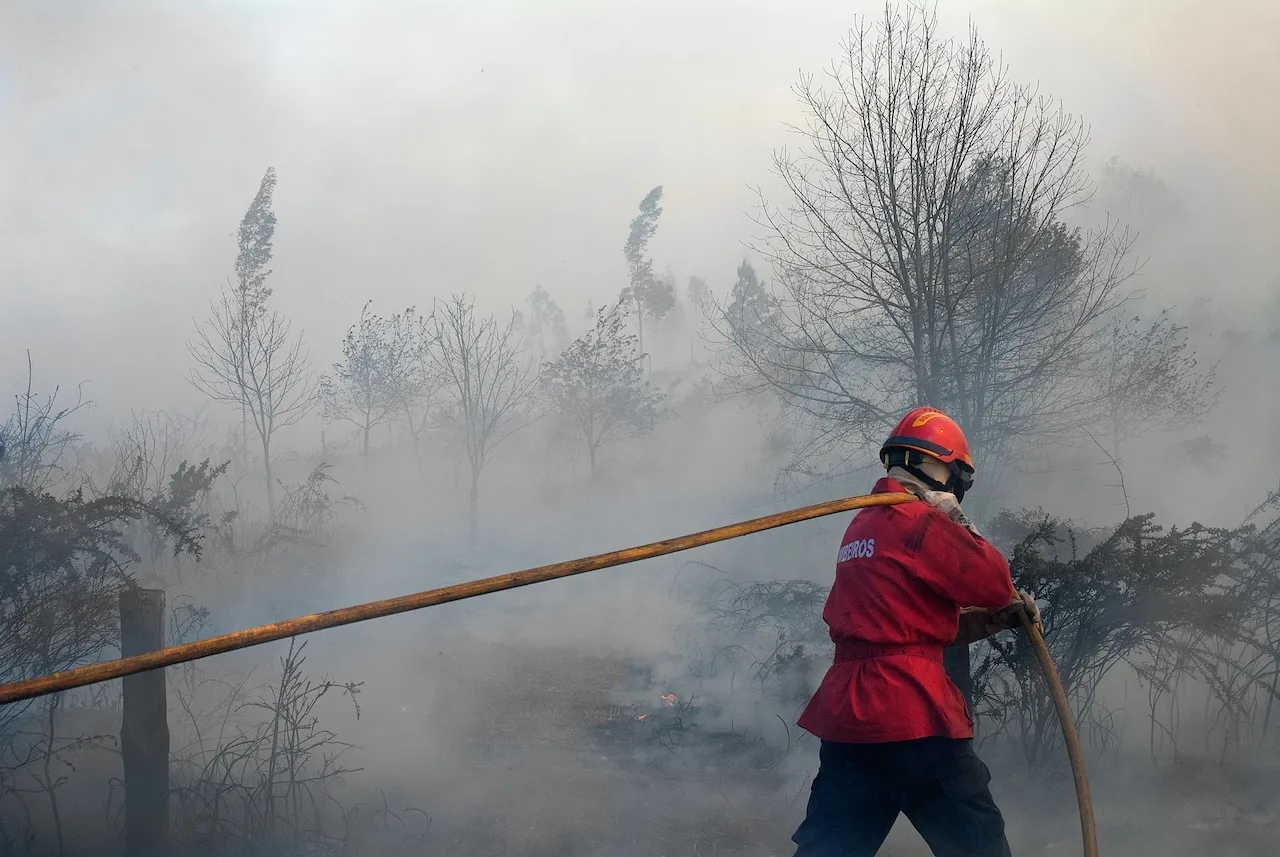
[(669, 699), (641, 716)]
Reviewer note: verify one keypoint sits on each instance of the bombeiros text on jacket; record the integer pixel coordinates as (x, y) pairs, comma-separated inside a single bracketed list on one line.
[(856, 549)]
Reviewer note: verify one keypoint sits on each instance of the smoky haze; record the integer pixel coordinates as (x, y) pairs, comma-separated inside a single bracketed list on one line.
[(488, 148)]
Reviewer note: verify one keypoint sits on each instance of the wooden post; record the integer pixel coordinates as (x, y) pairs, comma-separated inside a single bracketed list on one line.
[(144, 728)]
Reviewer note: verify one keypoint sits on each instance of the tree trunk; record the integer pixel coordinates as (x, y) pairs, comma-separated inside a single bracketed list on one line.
[(366, 447), (270, 798), (50, 782), (1151, 731), (414, 434), (475, 505), (1271, 698), (591, 453), (266, 467), (640, 331)]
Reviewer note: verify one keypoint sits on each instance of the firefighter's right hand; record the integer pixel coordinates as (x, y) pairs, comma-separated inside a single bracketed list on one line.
[(1025, 602)]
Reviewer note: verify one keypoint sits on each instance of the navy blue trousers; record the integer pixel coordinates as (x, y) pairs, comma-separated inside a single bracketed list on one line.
[(940, 784)]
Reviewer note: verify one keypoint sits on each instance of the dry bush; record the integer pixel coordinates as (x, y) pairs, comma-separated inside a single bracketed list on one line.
[(265, 776)]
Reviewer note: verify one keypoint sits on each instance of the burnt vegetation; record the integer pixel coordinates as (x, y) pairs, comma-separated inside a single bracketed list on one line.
[(932, 242)]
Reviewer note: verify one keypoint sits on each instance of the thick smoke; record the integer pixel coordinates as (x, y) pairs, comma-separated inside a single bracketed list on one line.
[(487, 151)]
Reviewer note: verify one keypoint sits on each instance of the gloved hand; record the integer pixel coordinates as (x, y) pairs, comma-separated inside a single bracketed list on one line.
[(978, 624), (1025, 602)]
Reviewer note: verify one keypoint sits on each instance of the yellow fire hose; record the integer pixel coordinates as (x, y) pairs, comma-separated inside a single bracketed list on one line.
[(81, 676)]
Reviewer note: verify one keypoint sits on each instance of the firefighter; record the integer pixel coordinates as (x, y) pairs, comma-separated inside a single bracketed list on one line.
[(896, 736)]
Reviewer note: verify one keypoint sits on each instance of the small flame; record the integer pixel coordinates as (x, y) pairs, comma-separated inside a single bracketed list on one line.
[(669, 699)]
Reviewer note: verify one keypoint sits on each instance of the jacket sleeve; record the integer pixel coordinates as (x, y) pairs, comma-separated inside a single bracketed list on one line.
[(960, 566)]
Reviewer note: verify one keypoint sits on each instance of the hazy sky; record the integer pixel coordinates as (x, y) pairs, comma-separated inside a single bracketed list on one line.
[(490, 146)]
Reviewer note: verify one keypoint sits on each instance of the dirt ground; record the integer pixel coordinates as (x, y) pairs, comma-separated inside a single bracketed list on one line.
[(567, 753), (498, 749)]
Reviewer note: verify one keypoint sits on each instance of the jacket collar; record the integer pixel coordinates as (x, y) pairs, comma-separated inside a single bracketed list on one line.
[(901, 480)]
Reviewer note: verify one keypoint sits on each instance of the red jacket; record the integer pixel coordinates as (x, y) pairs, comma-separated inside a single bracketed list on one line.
[(902, 575)]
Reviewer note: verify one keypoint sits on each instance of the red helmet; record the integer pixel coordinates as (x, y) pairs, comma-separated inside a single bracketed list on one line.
[(930, 431)]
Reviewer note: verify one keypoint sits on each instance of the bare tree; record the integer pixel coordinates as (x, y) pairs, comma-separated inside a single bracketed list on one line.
[(485, 384), (146, 450), (263, 369), (149, 458), (416, 384), (420, 385), (379, 365), (36, 448), (922, 258), (245, 352), (598, 386)]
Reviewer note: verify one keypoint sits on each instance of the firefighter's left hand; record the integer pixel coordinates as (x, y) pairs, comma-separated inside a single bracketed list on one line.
[(1025, 602)]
